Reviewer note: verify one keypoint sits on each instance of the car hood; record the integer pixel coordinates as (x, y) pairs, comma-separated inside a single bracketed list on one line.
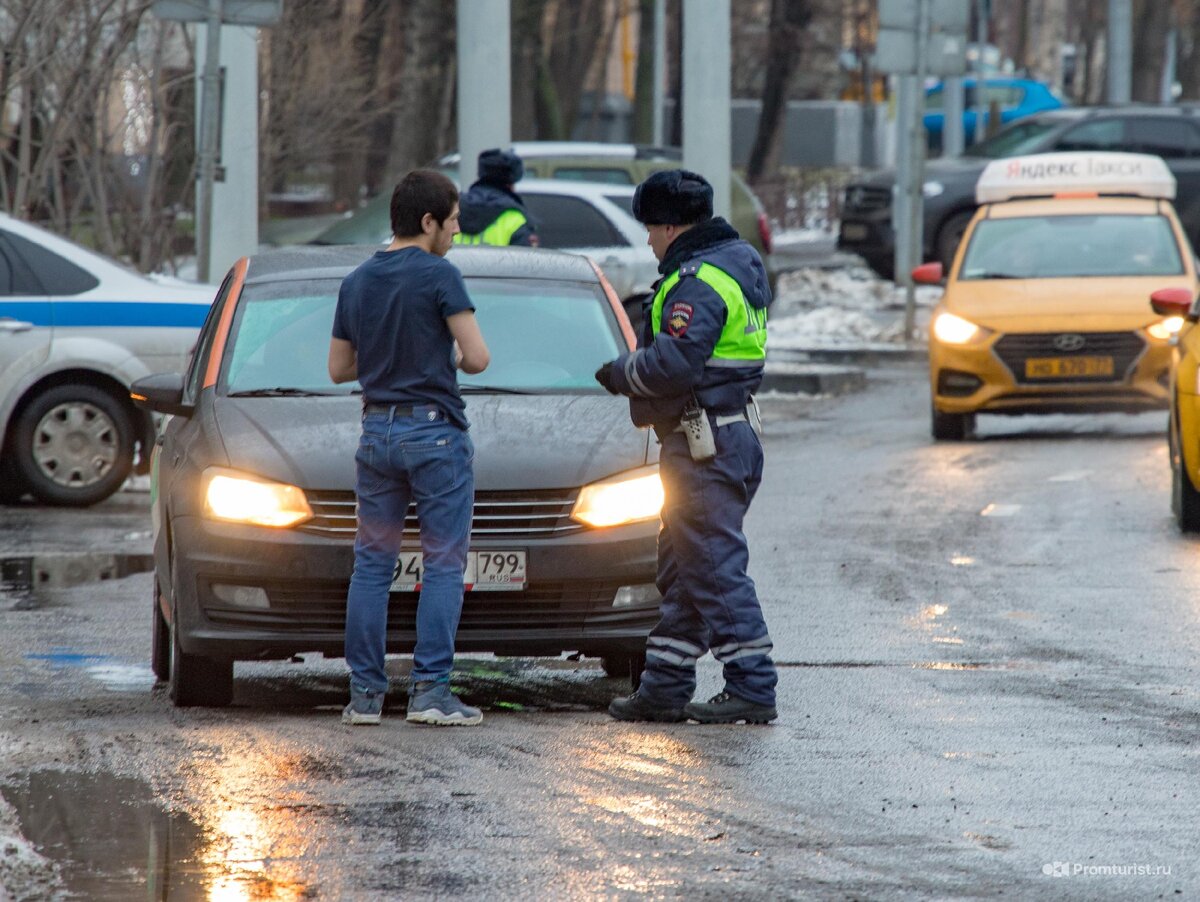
[(1088, 305), (521, 441)]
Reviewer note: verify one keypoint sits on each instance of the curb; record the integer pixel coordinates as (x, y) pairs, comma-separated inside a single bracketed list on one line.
[(862, 354), (812, 379)]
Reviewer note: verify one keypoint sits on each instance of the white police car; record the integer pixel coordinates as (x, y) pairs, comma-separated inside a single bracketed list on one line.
[(75, 330)]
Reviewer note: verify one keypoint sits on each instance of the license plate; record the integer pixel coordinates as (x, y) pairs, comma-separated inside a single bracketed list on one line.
[(1067, 367), (486, 571), (854, 231)]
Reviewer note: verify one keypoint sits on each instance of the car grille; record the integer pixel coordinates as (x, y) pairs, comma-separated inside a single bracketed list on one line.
[(866, 198), (1123, 347), (309, 609), (525, 515)]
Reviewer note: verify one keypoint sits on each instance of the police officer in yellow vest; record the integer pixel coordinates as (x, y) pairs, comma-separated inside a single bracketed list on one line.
[(699, 360), (491, 211)]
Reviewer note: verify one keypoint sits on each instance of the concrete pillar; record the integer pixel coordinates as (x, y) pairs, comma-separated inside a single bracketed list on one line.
[(235, 197), (707, 106), (484, 81)]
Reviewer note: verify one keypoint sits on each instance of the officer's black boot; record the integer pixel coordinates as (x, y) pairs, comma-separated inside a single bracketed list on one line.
[(726, 708), (634, 707)]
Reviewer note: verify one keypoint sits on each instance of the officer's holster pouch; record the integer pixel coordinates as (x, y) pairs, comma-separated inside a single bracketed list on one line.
[(697, 429)]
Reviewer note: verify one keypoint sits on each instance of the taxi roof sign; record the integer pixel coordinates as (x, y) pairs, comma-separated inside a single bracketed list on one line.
[(1048, 174)]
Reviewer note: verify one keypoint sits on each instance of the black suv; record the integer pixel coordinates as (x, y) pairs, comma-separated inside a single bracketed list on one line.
[(1171, 132)]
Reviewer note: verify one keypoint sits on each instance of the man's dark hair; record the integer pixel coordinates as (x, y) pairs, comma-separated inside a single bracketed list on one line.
[(421, 191)]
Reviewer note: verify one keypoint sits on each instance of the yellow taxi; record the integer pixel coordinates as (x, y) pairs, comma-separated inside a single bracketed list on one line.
[(1183, 425), (1044, 309)]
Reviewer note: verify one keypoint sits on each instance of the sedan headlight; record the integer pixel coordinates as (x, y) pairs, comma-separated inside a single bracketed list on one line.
[(1165, 329), (626, 498), (932, 189), (954, 330), (241, 498)]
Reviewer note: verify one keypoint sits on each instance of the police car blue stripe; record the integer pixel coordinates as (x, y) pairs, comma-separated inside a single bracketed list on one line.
[(76, 314)]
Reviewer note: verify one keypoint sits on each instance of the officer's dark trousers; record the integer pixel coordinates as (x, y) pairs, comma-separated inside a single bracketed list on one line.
[(709, 602)]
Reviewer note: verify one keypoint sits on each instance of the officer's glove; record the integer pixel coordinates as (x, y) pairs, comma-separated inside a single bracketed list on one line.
[(604, 377)]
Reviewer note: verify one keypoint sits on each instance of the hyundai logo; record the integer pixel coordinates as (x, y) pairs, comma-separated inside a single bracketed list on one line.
[(1069, 342)]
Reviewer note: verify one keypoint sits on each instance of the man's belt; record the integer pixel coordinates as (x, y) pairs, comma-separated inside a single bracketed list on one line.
[(402, 410), (749, 415)]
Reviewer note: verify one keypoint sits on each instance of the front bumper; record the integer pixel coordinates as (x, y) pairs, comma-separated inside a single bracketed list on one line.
[(1140, 382), (567, 604)]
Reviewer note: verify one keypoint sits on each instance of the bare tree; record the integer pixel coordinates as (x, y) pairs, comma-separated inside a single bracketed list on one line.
[(789, 19)]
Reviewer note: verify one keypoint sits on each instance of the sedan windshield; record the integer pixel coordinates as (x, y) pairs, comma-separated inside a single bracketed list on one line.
[(1023, 137), (543, 336), (1052, 247)]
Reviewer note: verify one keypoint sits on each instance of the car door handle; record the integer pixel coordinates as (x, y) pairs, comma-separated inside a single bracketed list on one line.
[(8, 324)]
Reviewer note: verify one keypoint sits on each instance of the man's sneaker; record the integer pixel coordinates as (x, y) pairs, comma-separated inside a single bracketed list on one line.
[(634, 707), (365, 707), (434, 703), (726, 708)]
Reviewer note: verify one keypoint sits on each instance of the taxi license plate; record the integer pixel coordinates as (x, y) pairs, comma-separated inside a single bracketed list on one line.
[(854, 231), (1067, 367), (486, 571)]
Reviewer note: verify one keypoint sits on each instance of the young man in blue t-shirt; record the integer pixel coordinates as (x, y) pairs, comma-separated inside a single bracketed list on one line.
[(403, 324)]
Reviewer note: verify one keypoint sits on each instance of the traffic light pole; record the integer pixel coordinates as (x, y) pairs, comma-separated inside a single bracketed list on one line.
[(210, 112)]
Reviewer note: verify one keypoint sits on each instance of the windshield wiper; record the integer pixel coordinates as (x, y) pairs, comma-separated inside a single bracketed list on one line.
[(280, 392), (995, 275), (493, 390)]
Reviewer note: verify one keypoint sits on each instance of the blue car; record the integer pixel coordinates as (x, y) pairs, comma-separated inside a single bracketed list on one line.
[(1016, 97)]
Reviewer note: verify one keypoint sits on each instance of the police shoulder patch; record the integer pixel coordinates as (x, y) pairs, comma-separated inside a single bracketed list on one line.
[(678, 319)]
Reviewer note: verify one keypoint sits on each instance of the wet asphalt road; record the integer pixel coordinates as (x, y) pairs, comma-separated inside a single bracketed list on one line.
[(988, 658)]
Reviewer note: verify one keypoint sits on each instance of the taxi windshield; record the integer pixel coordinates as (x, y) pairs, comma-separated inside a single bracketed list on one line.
[(542, 335), (1056, 247)]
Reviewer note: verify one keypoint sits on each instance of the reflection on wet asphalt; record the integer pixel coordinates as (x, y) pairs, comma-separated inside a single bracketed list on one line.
[(27, 581)]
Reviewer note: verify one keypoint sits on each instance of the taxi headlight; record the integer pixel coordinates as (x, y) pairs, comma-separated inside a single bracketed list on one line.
[(626, 498), (241, 498), (1165, 329), (954, 330)]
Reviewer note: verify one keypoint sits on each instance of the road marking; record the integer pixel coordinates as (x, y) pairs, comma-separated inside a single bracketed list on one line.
[(999, 510), (1072, 476)]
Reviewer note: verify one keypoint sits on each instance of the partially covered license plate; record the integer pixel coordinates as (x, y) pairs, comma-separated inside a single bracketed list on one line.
[(854, 231), (487, 571), (1067, 367)]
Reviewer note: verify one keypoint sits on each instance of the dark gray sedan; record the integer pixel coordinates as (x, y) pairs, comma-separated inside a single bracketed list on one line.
[(253, 477)]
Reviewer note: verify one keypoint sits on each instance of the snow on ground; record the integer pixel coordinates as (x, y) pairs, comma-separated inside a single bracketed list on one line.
[(829, 308)]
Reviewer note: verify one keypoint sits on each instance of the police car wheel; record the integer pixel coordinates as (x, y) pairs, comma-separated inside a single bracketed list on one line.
[(951, 427), (73, 445)]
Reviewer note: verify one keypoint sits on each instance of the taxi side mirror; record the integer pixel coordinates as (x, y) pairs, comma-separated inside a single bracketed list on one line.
[(1173, 302), (928, 274), (161, 393)]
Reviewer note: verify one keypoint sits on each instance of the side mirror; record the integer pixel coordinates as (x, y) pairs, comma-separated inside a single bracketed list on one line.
[(161, 393), (928, 274), (1173, 302)]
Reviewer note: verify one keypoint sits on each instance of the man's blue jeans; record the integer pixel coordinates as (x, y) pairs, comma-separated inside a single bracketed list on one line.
[(401, 459)]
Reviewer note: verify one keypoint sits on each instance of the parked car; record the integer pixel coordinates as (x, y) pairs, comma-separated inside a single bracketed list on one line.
[(76, 329), (1045, 304), (253, 476), (1015, 98), (627, 164), (589, 218), (1170, 132)]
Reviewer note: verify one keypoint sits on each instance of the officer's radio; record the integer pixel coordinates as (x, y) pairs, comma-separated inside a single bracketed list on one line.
[(698, 429)]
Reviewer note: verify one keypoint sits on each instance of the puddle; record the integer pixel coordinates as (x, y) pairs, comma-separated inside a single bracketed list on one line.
[(109, 839), (112, 842), (25, 580)]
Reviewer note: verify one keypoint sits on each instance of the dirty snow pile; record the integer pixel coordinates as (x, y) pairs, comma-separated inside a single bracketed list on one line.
[(829, 308), (24, 874)]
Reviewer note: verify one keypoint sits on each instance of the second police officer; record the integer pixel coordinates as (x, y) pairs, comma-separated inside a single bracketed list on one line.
[(699, 361), (491, 211)]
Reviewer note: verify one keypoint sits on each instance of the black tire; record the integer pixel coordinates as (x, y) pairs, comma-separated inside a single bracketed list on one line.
[(73, 445), (194, 680), (623, 665), (951, 427), (949, 236), (1185, 500), (12, 486), (160, 639)]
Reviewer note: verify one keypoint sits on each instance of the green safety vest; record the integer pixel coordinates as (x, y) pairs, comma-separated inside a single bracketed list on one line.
[(498, 233), (743, 340)]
